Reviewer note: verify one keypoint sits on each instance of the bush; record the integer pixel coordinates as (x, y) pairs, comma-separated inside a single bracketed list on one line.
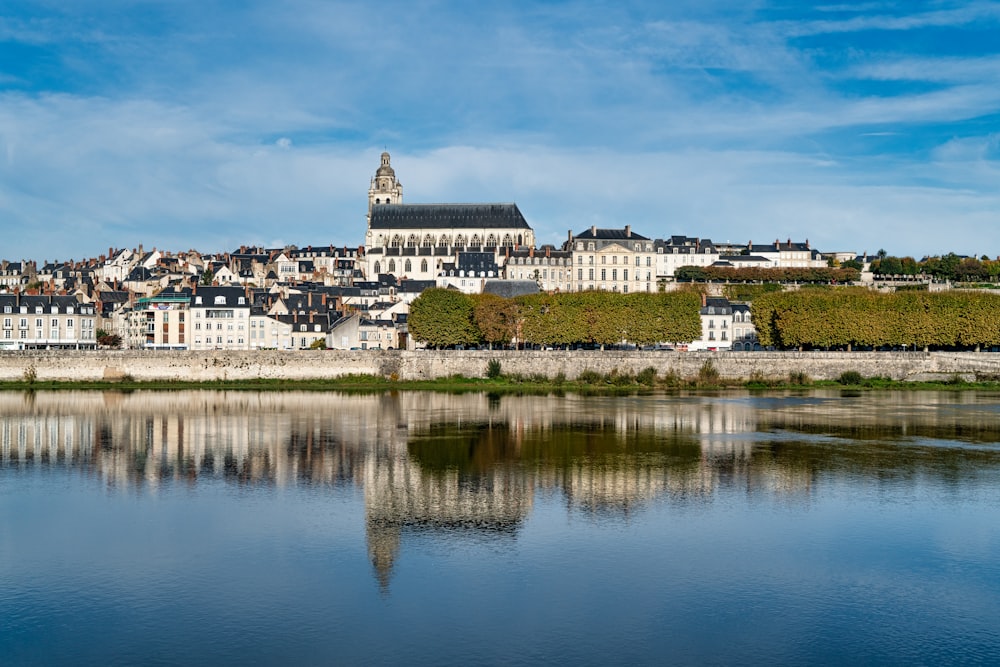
[(590, 377), (708, 373), (493, 369), (559, 379), (619, 379), (672, 379), (647, 376), (798, 377), (850, 378)]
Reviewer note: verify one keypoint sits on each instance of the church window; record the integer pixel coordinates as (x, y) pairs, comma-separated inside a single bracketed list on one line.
[(428, 241), (392, 266), (423, 266), (378, 201), (407, 267), (491, 241), (396, 241), (476, 241), (443, 241), (378, 268), (412, 241)]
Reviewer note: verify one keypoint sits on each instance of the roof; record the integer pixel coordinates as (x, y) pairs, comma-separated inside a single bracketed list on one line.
[(510, 288), (447, 216), (612, 234)]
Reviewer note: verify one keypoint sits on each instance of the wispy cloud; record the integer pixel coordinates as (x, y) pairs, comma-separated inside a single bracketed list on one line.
[(215, 124)]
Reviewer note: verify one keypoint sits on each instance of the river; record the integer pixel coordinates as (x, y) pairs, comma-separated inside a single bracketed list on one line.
[(200, 527)]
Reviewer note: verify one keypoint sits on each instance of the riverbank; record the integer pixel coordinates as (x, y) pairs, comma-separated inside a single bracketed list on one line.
[(613, 383), (767, 368)]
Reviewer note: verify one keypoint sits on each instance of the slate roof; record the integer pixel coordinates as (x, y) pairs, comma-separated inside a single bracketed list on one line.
[(510, 288), (454, 216), (610, 234)]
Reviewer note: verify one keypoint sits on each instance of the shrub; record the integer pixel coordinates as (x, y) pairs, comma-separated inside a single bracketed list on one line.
[(559, 379), (708, 373), (798, 377), (493, 369), (590, 377), (672, 379), (647, 376), (30, 375), (850, 378), (619, 379)]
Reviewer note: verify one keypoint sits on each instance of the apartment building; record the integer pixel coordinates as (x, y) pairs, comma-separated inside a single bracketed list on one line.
[(46, 322)]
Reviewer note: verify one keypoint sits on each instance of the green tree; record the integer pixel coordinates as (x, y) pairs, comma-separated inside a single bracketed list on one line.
[(496, 318), (443, 318)]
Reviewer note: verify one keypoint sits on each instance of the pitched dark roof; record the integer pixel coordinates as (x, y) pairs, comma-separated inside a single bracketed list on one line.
[(610, 234), (510, 288), (456, 216)]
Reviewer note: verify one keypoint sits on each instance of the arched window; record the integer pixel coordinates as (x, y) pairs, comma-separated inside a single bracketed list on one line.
[(460, 241), (491, 241), (407, 267), (378, 201), (392, 266), (397, 241), (507, 240), (520, 240), (378, 268), (412, 241), (476, 241), (443, 241), (428, 241), (423, 266)]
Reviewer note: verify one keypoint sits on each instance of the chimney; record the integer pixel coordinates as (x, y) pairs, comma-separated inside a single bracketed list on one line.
[(593, 230), (750, 246), (548, 251), (322, 298), (309, 298), (310, 317), (531, 251), (807, 244), (628, 231), (569, 235), (704, 300)]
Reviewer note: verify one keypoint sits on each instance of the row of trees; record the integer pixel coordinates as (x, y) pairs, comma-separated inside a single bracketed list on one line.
[(445, 318), (789, 275), (947, 267), (857, 317)]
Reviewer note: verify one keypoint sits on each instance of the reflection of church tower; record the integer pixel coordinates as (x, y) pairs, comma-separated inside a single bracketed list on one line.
[(385, 189), (383, 547)]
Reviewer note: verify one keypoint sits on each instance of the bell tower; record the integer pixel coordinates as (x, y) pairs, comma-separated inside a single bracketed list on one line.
[(385, 189)]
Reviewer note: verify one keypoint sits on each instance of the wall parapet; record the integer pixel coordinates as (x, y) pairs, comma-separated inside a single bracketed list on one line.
[(85, 365)]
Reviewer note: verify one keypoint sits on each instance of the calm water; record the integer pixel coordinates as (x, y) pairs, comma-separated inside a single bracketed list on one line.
[(311, 528)]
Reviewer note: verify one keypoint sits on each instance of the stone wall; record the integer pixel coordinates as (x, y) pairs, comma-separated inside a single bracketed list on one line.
[(425, 364)]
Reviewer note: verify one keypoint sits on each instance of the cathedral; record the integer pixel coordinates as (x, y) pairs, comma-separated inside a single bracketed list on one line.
[(414, 241)]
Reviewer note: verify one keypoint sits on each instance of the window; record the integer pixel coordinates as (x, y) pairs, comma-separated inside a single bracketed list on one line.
[(604, 273), (579, 274), (55, 322), (38, 322), (624, 274), (591, 276)]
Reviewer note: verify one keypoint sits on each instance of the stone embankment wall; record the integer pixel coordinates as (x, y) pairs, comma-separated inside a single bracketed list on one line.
[(426, 364)]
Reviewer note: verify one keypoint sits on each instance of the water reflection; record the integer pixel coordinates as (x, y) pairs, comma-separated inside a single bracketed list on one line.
[(473, 463)]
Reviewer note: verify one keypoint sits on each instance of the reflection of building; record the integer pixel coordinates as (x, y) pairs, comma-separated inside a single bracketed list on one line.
[(603, 455), (399, 495)]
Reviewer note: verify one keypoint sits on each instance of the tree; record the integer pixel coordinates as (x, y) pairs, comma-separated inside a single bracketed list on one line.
[(443, 318), (105, 339), (206, 277), (496, 318)]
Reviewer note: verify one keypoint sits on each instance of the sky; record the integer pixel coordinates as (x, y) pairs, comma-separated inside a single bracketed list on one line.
[(211, 124)]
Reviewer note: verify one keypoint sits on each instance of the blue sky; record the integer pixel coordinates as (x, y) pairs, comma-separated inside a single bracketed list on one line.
[(209, 124)]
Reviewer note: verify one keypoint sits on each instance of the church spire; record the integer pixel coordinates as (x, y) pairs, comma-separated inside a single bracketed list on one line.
[(385, 188)]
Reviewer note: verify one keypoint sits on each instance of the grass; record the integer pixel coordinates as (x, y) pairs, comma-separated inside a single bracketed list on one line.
[(588, 382)]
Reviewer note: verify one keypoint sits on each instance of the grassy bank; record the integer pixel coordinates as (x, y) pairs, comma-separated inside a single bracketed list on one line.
[(497, 382)]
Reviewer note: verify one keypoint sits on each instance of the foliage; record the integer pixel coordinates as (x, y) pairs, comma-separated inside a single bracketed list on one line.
[(850, 378), (708, 374), (857, 318), (107, 339), (496, 318), (493, 369), (318, 344), (748, 291), (786, 275), (443, 318)]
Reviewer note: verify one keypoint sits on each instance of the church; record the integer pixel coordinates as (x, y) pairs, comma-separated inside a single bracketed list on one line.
[(414, 241)]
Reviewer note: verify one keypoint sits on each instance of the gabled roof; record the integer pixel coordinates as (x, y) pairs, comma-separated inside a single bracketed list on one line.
[(510, 288), (610, 235), (450, 216)]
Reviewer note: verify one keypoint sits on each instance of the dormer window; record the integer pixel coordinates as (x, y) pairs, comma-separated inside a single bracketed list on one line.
[(7, 309), (55, 310), (220, 300), (38, 310), (69, 310), (242, 300), (197, 300)]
